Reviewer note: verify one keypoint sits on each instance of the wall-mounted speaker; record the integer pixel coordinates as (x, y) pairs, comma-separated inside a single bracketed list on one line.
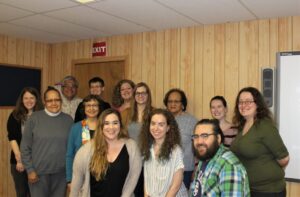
[(268, 86)]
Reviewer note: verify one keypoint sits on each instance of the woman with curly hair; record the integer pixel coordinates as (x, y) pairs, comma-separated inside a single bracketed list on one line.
[(122, 99), (163, 157), (28, 101), (108, 165), (258, 145)]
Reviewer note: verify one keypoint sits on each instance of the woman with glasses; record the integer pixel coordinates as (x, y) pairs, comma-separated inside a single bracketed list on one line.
[(140, 111), (28, 101), (44, 146), (258, 145), (82, 131), (176, 102), (218, 110), (162, 153), (110, 164)]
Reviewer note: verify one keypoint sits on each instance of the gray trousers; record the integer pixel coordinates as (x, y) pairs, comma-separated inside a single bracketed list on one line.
[(49, 185)]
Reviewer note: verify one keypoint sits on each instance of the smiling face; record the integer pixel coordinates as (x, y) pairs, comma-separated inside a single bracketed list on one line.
[(69, 89), (111, 127), (126, 91), (53, 101), (217, 109), (205, 148), (247, 105), (29, 101), (141, 95), (91, 109), (159, 128), (96, 88)]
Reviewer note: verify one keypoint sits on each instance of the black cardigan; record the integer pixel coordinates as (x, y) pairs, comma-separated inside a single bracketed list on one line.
[(14, 133)]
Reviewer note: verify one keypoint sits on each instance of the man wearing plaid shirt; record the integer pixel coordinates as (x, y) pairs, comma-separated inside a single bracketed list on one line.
[(219, 172)]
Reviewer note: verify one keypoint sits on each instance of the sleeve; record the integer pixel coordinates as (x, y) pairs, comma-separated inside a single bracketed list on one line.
[(233, 182), (13, 127), (26, 145), (135, 162), (273, 141), (79, 114), (178, 158), (70, 153), (79, 171)]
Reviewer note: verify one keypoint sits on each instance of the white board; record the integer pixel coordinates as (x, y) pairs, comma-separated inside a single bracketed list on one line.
[(288, 108)]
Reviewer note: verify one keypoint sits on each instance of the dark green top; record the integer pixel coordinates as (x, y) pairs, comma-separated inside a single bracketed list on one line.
[(258, 150)]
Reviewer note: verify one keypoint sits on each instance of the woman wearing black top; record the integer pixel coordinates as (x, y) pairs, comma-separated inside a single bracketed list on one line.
[(29, 101)]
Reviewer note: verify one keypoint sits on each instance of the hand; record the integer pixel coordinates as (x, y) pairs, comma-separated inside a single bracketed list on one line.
[(69, 187), (19, 167), (33, 177)]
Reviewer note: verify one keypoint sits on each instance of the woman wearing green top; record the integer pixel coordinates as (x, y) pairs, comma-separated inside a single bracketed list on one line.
[(258, 145)]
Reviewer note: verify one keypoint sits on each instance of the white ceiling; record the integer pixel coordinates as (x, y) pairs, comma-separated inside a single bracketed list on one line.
[(65, 20)]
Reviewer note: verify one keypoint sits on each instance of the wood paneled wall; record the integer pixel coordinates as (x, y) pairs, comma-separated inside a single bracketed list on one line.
[(203, 61)]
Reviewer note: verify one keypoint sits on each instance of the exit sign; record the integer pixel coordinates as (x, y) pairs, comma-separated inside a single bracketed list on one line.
[(99, 49)]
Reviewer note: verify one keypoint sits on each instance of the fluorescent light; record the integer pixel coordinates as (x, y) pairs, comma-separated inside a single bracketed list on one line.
[(85, 1)]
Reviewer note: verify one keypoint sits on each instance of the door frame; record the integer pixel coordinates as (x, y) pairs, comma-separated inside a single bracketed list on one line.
[(100, 60)]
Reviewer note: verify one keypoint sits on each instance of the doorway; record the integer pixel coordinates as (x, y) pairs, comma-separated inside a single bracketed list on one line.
[(110, 69)]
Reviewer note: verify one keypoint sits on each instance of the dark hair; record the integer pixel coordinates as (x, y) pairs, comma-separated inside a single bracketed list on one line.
[(148, 107), (90, 98), (117, 99), (70, 78), (182, 95), (216, 126), (20, 112), (51, 88), (262, 111), (172, 138), (220, 98), (96, 80)]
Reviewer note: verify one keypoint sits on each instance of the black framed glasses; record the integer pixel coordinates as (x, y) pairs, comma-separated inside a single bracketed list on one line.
[(203, 136)]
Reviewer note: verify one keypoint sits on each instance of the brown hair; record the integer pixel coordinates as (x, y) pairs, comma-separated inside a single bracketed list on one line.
[(99, 164), (20, 112), (172, 138), (117, 99)]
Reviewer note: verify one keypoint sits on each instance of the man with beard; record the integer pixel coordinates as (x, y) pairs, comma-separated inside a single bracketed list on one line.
[(219, 172)]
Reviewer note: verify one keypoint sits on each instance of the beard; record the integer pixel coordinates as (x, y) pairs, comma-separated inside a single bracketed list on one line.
[(210, 151)]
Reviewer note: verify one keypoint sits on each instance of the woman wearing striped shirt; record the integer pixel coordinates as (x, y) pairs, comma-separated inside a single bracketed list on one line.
[(160, 147)]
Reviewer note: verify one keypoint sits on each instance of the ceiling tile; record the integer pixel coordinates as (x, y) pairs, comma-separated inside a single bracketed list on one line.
[(8, 13), (273, 8), (52, 25), (145, 12), (32, 34), (210, 11), (91, 18), (39, 6)]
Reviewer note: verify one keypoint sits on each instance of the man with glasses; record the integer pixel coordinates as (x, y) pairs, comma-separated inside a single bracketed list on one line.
[(219, 172), (68, 88), (176, 102)]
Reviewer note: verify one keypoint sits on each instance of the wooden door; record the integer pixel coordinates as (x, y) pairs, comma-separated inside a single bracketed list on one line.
[(110, 70)]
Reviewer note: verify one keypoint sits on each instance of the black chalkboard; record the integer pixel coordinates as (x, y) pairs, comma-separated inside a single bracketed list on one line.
[(13, 79)]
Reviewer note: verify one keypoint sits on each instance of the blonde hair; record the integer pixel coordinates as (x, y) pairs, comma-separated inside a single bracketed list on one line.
[(99, 164)]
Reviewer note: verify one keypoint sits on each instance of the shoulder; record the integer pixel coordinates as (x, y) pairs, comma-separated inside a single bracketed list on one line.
[(186, 117), (11, 118), (85, 150), (131, 144), (67, 117), (266, 126), (77, 126), (227, 158)]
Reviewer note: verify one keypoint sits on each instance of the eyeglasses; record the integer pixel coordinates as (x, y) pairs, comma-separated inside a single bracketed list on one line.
[(53, 100), (91, 106), (247, 103), (141, 94), (203, 136), (69, 87), (173, 101)]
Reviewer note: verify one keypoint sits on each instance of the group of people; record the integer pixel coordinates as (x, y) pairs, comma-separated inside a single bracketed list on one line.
[(130, 148)]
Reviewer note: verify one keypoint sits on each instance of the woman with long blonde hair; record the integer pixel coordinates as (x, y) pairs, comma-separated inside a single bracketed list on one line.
[(108, 165)]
